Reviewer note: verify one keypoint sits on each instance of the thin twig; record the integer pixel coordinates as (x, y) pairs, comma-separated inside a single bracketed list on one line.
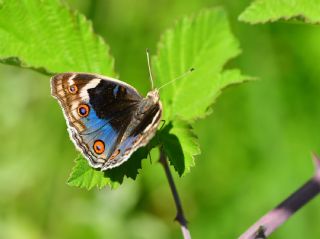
[(180, 215), (275, 218)]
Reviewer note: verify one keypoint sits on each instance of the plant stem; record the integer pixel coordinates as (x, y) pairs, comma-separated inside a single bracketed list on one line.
[(180, 215), (275, 218)]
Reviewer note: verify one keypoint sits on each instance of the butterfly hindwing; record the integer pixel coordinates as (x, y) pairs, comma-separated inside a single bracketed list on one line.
[(138, 134), (107, 119)]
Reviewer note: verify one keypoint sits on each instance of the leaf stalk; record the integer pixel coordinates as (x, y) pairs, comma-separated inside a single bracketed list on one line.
[(180, 218)]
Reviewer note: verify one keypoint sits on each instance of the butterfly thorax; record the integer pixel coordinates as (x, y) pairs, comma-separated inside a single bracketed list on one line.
[(147, 103), (144, 114)]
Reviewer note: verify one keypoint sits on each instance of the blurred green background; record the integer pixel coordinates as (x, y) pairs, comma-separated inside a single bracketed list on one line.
[(256, 146)]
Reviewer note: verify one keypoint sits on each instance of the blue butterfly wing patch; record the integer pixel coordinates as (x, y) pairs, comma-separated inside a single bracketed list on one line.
[(97, 131), (107, 119)]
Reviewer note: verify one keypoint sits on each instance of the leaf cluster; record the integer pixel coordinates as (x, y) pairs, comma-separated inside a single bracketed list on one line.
[(47, 37)]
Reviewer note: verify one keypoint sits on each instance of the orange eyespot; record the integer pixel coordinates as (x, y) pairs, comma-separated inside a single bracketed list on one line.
[(98, 146), (73, 89), (83, 110)]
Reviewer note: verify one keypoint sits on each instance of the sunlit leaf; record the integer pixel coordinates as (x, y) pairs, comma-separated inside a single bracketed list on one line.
[(203, 42), (46, 36), (262, 11), (84, 176)]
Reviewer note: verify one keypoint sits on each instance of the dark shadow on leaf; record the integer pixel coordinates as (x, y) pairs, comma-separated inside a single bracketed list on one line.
[(172, 148), (131, 167), (15, 61)]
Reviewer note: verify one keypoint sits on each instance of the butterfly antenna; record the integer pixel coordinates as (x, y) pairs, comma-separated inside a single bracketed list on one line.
[(149, 67), (178, 78)]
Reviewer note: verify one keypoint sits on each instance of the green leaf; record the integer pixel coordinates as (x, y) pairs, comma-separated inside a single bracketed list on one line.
[(180, 144), (84, 176), (48, 37), (179, 141), (203, 42), (262, 11)]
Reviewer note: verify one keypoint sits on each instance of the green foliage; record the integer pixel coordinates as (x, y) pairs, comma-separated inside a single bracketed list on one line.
[(258, 140), (203, 42), (46, 36), (262, 11), (180, 145), (54, 39), (84, 177)]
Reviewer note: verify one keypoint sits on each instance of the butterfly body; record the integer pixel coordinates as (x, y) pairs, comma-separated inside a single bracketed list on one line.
[(107, 119)]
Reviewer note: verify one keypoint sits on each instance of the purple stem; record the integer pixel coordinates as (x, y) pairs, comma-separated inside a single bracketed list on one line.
[(275, 218), (180, 215)]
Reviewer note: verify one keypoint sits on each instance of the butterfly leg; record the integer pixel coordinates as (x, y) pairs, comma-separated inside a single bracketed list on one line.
[(149, 156), (163, 123)]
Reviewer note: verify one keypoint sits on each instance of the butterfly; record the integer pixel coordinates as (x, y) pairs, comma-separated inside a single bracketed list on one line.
[(107, 119)]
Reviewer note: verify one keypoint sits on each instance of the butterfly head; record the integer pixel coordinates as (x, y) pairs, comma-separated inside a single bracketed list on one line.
[(153, 96)]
